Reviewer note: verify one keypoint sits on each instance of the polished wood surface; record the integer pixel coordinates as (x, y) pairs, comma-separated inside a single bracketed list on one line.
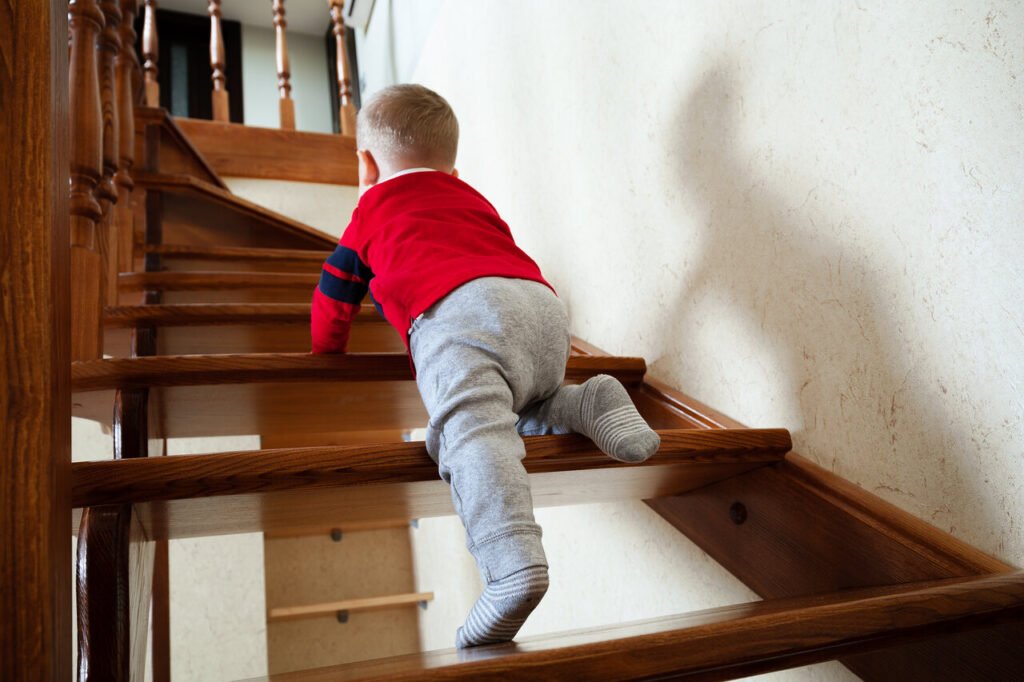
[(284, 72), (297, 488), (200, 213), (151, 53), (350, 527), (251, 152), (346, 107), (35, 555), (286, 613), (172, 153), (218, 281), (192, 370), (107, 191), (313, 257), (186, 476), (717, 644), (217, 63), (218, 314), (129, 72), (86, 22)]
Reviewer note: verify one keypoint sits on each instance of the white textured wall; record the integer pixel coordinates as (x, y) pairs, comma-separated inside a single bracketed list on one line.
[(805, 214), (325, 207), (389, 50)]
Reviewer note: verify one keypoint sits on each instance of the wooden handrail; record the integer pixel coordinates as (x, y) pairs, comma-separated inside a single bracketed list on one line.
[(217, 64), (203, 370), (149, 479), (346, 108), (280, 614), (151, 53), (284, 86)]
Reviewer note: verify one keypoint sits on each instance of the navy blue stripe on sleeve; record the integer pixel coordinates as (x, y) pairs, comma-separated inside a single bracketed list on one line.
[(347, 260), (346, 291)]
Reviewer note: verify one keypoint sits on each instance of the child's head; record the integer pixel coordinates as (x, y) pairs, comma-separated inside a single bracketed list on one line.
[(405, 126)]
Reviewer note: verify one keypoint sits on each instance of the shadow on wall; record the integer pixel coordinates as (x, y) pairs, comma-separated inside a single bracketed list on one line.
[(818, 312)]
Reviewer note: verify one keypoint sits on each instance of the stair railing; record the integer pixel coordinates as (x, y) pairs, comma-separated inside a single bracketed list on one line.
[(220, 92)]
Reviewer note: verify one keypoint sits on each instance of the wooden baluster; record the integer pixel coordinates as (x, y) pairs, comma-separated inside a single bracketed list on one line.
[(284, 87), (107, 191), (151, 52), (86, 146), (220, 93), (128, 70), (346, 109)]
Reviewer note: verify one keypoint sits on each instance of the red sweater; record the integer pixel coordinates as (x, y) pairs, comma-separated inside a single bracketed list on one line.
[(412, 240)]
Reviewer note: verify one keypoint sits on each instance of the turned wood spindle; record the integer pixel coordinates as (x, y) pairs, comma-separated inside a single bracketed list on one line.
[(86, 22), (107, 191), (151, 52), (128, 69), (346, 108), (284, 87), (217, 61)]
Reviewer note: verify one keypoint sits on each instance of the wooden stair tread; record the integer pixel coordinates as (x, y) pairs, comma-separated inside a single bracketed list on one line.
[(197, 252), (200, 370), (277, 489), (179, 154), (220, 314), (218, 280), (203, 196), (271, 153), (721, 643)]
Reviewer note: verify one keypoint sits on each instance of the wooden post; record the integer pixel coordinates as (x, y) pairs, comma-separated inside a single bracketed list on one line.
[(346, 109), (151, 53), (35, 429), (220, 93), (128, 70), (86, 146), (284, 87), (107, 191)]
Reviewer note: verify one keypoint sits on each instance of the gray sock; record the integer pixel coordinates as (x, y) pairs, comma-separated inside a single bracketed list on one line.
[(602, 411), (503, 608)]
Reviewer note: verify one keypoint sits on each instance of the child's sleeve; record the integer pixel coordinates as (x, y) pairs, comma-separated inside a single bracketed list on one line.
[(344, 281)]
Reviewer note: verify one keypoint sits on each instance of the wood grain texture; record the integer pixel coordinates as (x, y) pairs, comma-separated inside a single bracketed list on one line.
[(251, 152), (229, 253), (177, 155), (217, 63), (282, 614), (717, 644), (207, 205), (35, 555), (218, 281), (195, 370), (187, 476)]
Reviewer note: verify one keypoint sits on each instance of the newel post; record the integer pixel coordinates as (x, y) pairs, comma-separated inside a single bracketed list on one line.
[(151, 53), (85, 21), (346, 108), (217, 62), (284, 87)]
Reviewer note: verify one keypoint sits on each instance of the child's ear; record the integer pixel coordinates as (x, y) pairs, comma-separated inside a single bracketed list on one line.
[(369, 172), (455, 172)]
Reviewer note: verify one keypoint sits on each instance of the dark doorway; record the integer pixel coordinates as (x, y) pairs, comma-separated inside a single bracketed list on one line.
[(184, 64)]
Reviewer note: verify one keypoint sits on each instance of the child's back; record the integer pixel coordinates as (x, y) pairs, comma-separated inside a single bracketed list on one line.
[(487, 335)]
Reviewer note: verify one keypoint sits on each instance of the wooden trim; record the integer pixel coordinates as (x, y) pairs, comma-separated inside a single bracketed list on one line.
[(349, 527), (268, 153), (190, 185), (281, 614), (219, 314), (35, 434), (170, 131), (722, 643), (192, 252), (197, 280), (199, 370), (233, 473)]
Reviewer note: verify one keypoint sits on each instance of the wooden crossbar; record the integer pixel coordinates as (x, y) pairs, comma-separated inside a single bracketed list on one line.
[(287, 613)]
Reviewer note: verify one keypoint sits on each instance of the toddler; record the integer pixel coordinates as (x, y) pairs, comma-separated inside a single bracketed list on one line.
[(487, 335)]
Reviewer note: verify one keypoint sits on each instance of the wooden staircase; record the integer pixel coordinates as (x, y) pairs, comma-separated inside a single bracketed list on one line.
[(204, 319)]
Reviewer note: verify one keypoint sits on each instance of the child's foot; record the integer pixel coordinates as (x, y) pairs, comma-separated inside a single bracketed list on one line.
[(503, 607), (608, 417)]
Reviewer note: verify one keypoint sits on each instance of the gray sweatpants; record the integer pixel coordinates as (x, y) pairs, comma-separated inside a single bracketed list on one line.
[(484, 354)]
